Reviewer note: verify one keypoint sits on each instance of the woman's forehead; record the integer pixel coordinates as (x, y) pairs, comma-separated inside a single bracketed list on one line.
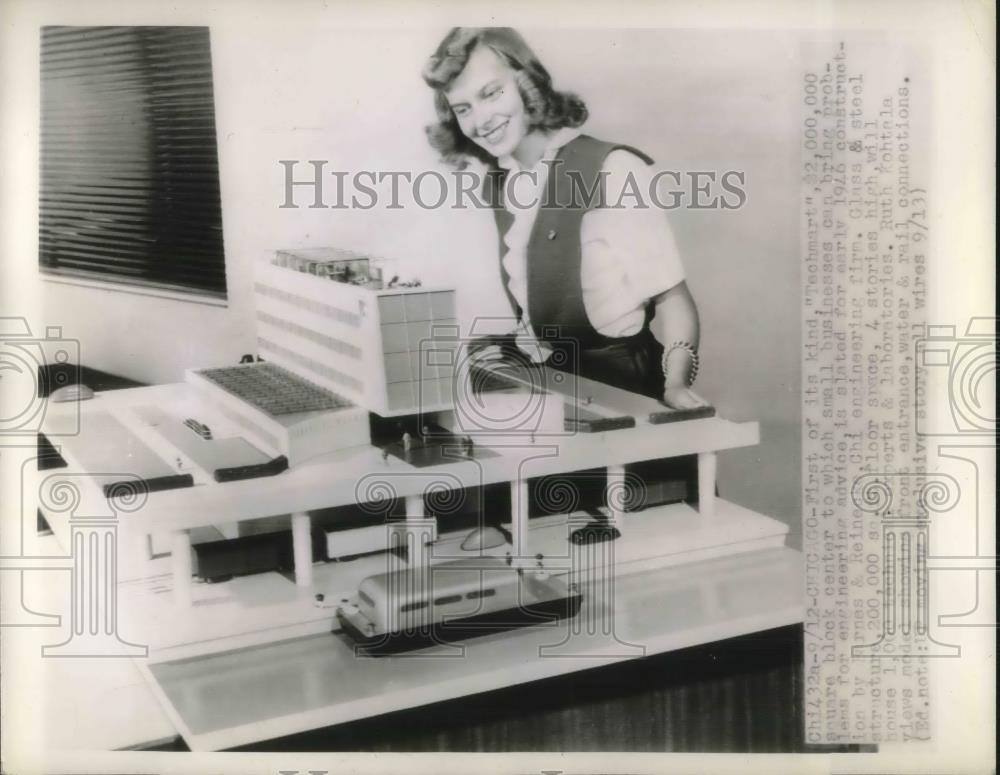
[(483, 66)]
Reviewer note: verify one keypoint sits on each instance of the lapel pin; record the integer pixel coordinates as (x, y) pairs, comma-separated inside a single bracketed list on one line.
[(552, 234)]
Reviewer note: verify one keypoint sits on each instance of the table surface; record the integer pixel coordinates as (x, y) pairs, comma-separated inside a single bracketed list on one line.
[(741, 695)]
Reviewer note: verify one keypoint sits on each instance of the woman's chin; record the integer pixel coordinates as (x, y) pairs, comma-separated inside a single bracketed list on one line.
[(507, 150), (499, 150)]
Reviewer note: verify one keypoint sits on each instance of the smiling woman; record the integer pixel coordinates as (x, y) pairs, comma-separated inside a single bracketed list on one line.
[(595, 290)]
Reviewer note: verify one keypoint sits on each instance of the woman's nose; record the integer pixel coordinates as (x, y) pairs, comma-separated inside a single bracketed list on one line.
[(481, 115)]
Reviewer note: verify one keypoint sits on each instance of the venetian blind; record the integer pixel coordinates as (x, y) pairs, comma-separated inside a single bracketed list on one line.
[(129, 163)]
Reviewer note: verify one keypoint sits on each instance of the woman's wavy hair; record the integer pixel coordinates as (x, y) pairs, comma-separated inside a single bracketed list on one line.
[(546, 107)]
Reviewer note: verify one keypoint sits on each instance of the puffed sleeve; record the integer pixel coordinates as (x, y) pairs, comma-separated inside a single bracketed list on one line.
[(628, 253)]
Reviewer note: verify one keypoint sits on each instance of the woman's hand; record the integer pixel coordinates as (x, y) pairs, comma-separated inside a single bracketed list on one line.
[(680, 397)]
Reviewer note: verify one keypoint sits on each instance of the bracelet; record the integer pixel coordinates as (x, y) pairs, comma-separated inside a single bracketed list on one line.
[(690, 349)]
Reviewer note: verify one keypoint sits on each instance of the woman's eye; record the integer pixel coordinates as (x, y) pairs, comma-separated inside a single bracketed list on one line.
[(494, 93), (460, 111)]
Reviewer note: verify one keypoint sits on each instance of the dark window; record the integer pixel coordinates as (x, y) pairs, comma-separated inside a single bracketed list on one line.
[(448, 600), (407, 607), (480, 593), (129, 163)]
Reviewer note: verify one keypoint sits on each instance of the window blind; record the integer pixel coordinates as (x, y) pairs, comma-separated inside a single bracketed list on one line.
[(129, 183)]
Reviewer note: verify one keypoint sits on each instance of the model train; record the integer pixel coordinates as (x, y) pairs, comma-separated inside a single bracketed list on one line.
[(415, 608)]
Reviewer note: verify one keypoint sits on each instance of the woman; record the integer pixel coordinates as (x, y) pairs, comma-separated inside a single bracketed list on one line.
[(606, 278)]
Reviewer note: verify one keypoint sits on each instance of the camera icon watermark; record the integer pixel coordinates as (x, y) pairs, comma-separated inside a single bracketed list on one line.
[(502, 388), (956, 380), (31, 367)]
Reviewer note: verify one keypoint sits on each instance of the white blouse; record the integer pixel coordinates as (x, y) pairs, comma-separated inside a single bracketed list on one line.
[(628, 255)]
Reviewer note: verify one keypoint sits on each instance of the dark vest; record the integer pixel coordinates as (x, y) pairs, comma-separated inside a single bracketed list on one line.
[(554, 256)]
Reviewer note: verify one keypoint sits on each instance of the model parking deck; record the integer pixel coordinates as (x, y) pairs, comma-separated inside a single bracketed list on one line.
[(281, 412), (273, 389)]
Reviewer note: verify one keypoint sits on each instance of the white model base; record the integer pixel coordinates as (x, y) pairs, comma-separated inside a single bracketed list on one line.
[(661, 537), (265, 607)]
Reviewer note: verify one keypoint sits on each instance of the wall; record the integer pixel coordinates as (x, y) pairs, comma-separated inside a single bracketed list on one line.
[(694, 100)]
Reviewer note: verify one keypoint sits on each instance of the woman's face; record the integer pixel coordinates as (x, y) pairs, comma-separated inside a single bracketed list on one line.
[(487, 103)]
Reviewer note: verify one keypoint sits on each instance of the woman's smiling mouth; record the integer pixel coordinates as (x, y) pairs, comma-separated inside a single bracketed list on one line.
[(496, 134)]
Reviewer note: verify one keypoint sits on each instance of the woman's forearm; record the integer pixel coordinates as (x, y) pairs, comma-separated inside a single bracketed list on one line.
[(676, 320)]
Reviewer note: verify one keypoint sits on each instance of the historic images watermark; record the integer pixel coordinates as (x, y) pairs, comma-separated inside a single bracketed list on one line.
[(931, 522), (465, 189), (905, 629), (31, 367), (533, 405), (89, 505), (424, 595), (960, 369)]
